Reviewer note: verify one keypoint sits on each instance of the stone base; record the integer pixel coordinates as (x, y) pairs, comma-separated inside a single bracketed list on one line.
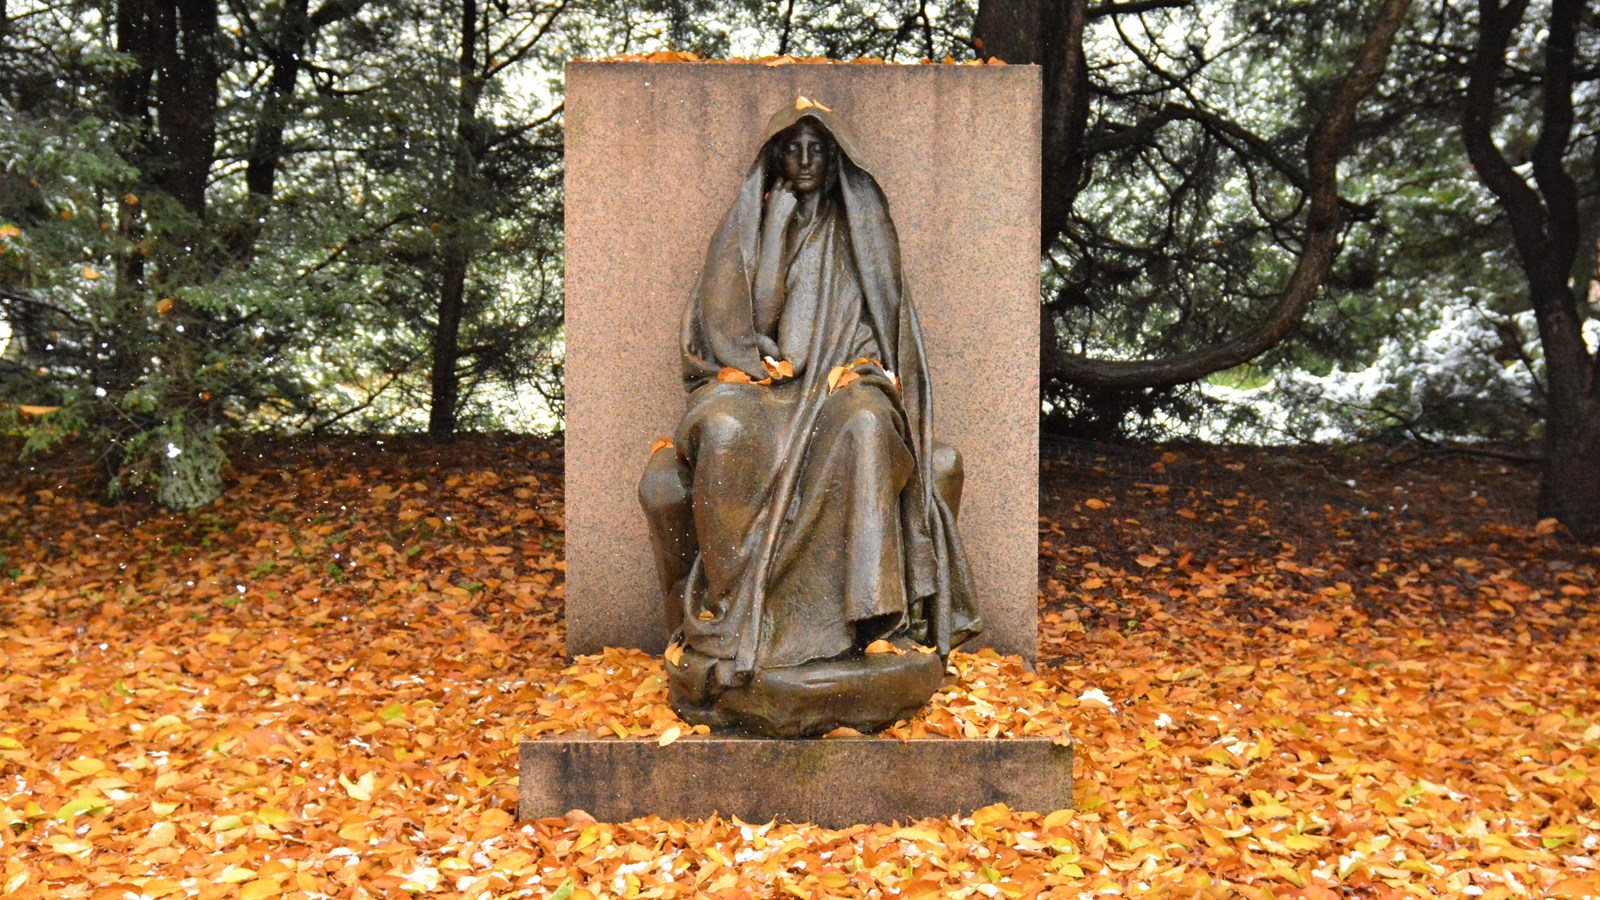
[(834, 783), (867, 693)]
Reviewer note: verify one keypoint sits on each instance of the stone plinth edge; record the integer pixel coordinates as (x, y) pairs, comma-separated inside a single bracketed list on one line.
[(833, 782)]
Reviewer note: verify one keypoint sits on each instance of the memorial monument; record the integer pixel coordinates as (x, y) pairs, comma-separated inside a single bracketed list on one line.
[(654, 154)]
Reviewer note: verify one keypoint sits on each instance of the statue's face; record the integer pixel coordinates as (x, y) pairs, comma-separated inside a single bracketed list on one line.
[(805, 156)]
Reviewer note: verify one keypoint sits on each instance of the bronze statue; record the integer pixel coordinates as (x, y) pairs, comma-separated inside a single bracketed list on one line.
[(803, 518)]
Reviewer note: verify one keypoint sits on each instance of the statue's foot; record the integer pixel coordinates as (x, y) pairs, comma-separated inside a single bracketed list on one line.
[(868, 693)]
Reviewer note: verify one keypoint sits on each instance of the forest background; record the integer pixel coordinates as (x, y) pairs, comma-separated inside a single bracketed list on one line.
[(1264, 221)]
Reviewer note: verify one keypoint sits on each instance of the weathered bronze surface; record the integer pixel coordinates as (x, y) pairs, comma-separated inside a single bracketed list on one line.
[(834, 783), (803, 517)]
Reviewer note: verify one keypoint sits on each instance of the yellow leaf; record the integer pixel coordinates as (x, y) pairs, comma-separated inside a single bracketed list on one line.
[(9, 231), (1302, 842), (88, 804), (1095, 503), (361, 789), (271, 815), (671, 734), (235, 874), (662, 443), (131, 199), (586, 838), (706, 615), (261, 887), (164, 305), (90, 274), (226, 823), (162, 834), (1057, 818), (729, 374), (882, 646), (674, 654), (990, 814), (914, 833), (834, 374)]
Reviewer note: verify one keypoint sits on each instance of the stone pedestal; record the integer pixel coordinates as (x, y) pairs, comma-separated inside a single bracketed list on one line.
[(833, 782), (654, 156)]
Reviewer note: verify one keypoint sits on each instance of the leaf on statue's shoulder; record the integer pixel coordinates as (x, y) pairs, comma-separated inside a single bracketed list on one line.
[(662, 443), (882, 646), (733, 376), (674, 654)]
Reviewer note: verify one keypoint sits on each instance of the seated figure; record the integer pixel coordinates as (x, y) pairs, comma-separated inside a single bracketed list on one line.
[(802, 516)]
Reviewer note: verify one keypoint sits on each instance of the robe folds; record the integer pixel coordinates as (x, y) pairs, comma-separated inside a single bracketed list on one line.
[(816, 523)]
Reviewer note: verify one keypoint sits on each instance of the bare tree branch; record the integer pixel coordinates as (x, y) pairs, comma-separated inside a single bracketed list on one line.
[(1327, 146)]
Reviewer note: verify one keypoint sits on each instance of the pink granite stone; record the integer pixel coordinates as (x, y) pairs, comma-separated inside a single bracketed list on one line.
[(654, 156)]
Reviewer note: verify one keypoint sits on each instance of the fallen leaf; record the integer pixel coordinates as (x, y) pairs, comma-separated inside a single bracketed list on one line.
[(360, 789)]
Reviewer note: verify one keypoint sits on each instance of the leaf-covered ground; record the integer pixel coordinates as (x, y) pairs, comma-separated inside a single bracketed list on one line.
[(1317, 674)]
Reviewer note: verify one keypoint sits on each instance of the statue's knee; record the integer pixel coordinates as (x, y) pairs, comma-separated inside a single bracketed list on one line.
[(663, 487), (721, 428), (722, 422), (948, 475), (946, 461), (865, 412)]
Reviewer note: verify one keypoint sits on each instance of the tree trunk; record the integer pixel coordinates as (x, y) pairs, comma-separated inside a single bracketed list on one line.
[(1048, 33), (446, 346), (187, 74), (1545, 228), (291, 38), (452, 293)]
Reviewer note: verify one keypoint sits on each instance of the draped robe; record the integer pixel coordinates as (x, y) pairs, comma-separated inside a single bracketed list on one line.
[(816, 526)]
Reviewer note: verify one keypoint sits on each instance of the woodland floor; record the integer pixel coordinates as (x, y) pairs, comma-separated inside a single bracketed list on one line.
[(1317, 673)]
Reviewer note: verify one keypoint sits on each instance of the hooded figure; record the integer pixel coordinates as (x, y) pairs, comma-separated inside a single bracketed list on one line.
[(803, 510)]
